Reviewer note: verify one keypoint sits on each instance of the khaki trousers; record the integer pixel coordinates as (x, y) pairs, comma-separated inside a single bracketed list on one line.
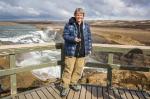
[(72, 71)]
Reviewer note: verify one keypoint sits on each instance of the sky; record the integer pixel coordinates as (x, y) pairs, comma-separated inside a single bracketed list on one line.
[(64, 9)]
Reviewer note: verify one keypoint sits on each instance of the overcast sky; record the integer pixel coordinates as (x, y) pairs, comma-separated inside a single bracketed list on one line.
[(63, 9)]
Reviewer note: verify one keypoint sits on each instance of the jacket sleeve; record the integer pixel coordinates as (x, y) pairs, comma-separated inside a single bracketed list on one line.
[(66, 34), (89, 38)]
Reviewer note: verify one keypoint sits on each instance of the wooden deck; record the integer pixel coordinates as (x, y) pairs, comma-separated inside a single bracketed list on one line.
[(87, 92)]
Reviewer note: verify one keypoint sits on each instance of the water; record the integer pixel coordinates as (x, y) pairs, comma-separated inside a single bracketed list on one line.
[(27, 34)]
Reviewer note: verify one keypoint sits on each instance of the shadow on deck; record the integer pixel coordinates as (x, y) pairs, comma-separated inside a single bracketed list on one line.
[(87, 92)]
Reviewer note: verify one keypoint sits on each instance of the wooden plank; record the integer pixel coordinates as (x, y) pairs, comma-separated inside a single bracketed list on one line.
[(41, 94), (71, 94), (109, 70), (122, 94), (105, 93), (109, 77), (28, 96), (53, 92), (29, 46), (110, 58), (62, 60), (116, 93), (118, 48), (134, 95), (22, 96), (94, 92), (27, 68), (117, 66), (83, 92), (35, 95), (22, 48), (128, 94), (111, 94), (77, 94), (100, 93), (13, 81), (48, 95), (140, 95), (88, 92)]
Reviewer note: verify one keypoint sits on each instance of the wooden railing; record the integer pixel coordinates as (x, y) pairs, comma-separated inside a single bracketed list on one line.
[(113, 49), (12, 50)]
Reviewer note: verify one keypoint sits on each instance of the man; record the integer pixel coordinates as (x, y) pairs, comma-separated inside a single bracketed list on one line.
[(78, 44)]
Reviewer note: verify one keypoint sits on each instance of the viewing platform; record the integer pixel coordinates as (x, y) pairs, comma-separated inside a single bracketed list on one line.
[(87, 91)]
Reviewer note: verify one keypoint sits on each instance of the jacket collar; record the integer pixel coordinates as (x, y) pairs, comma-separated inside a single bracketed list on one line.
[(72, 21)]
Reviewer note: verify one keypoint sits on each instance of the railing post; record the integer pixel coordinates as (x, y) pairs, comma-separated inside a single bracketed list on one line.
[(62, 59), (13, 77), (109, 71)]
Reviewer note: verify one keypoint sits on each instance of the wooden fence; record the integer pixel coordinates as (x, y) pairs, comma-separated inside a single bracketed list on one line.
[(12, 50)]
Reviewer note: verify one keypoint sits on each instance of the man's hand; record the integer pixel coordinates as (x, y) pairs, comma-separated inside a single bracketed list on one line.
[(77, 39)]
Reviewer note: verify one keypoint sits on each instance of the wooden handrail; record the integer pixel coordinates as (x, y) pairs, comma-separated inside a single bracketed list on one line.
[(119, 48), (20, 48)]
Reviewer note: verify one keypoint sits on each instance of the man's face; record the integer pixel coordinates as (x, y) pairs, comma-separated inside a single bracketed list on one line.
[(79, 17)]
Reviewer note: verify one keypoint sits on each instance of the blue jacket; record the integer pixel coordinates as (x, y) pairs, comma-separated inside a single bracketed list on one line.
[(70, 33)]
